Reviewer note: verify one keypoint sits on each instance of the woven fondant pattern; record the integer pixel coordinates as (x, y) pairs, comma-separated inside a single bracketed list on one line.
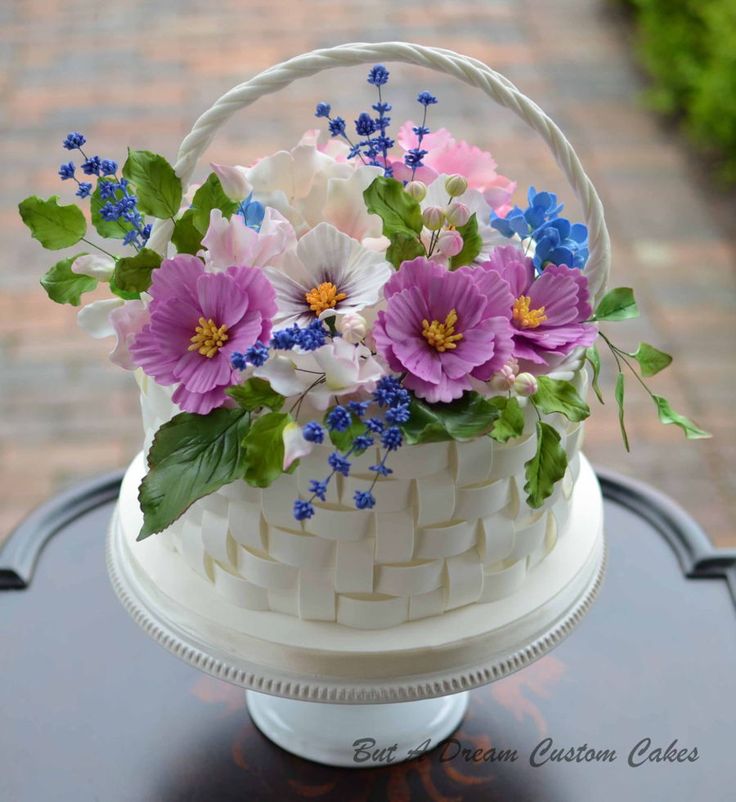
[(450, 528)]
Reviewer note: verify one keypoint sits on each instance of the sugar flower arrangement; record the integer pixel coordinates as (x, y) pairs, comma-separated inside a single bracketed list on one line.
[(366, 290)]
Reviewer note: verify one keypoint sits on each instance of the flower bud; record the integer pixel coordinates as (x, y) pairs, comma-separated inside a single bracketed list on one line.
[(450, 243), (503, 380), (352, 326), (457, 214), (433, 218), (416, 190), (525, 385), (233, 180), (455, 185)]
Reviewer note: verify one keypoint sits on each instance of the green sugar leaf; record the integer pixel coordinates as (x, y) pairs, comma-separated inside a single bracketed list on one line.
[(63, 285), (54, 226), (510, 422), (133, 274), (618, 304), (557, 395), (619, 395), (191, 457), (187, 238), (157, 186), (465, 419), (668, 415), (264, 449), (254, 394), (210, 196), (546, 467), (400, 213), (651, 360), (472, 243), (592, 355)]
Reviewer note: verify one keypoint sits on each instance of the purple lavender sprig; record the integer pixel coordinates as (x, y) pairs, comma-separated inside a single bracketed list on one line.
[(414, 156), (392, 401), (121, 206)]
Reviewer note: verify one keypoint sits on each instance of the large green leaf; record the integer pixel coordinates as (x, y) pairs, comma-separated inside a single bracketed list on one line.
[(557, 395), (191, 457), (472, 243), (64, 286), (132, 274), (592, 355), (187, 238), (54, 226), (618, 304), (210, 196), (157, 186), (255, 393), (510, 422), (651, 360), (546, 467), (400, 213), (264, 449), (110, 229), (619, 396), (668, 415), (469, 417)]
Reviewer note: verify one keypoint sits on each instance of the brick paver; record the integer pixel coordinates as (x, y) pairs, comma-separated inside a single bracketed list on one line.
[(139, 73)]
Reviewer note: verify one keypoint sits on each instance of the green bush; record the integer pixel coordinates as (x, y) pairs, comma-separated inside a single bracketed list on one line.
[(689, 49)]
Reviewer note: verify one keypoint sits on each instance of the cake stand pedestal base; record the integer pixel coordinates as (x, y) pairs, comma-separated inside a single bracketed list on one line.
[(356, 736)]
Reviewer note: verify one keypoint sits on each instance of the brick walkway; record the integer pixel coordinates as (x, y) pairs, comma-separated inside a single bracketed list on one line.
[(125, 74)]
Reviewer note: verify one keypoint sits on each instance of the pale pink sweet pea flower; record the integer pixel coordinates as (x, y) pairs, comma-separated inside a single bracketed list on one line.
[(234, 180), (231, 242), (114, 316), (347, 368), (447, 155)]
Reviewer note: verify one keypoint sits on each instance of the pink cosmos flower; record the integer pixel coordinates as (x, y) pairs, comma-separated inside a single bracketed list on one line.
[(549, 311), (197, 320), (447, 156), (442, 327)]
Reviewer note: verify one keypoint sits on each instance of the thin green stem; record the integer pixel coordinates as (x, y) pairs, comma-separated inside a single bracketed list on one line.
[(107, 253), (620, 356)]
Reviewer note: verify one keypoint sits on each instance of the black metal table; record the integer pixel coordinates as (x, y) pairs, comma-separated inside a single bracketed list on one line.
[(91, 709)]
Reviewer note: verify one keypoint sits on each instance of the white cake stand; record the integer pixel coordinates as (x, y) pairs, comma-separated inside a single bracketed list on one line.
[(316, 688)]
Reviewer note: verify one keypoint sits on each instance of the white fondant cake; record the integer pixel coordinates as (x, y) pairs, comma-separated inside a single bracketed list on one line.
[(450, 528)]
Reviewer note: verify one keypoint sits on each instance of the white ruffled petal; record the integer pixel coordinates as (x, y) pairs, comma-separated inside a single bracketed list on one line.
[(295, 444), (98, 266), (94, 318)]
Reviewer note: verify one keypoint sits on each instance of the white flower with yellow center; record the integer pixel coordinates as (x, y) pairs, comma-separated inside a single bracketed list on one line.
[(329, 273)]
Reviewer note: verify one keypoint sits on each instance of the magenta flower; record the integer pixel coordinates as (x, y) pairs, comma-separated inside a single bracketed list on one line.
[(549, 311), (441, 327), (197, 320)]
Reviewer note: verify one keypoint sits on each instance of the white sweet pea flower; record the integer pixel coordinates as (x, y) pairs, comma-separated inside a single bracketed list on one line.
[(231, 242), (295, 444), (352, 326), (94, 318), (347, 369), (114, 317), (98, 266), (234, 180), (327, 271), (309, 185)]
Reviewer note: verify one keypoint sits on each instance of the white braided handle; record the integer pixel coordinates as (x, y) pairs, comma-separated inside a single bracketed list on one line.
[(470, 71)]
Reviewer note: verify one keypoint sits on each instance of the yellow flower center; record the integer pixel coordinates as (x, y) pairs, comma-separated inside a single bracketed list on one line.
[(527, 318), (324, 297), (442, 336), (208, 337)]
